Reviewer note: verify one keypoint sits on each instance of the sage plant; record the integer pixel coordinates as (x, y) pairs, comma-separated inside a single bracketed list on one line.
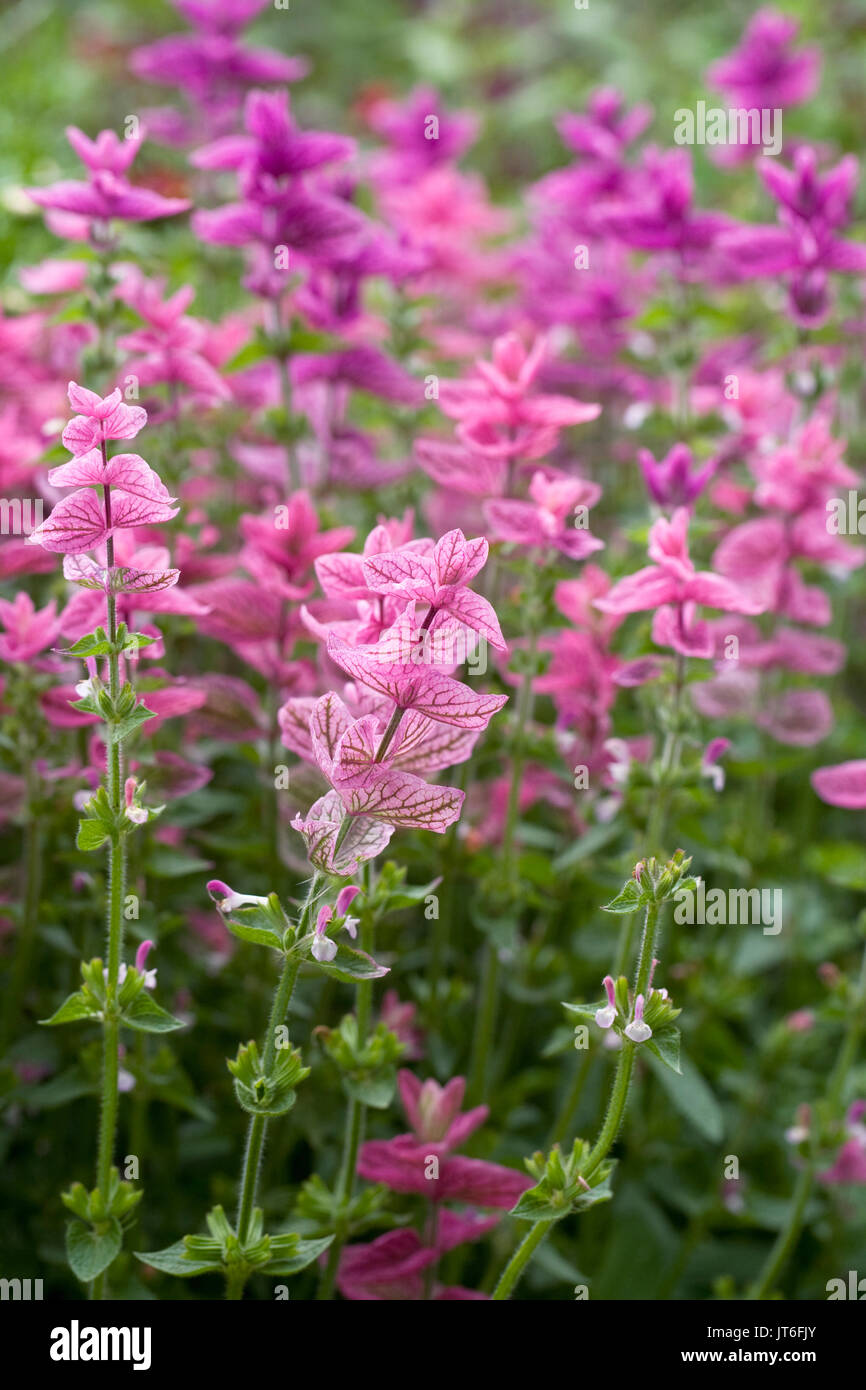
[(113, 492)]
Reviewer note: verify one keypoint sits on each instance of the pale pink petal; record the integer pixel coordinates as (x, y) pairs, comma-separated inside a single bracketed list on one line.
[(365, 838), (646, 588), (401, 572), (475, 611), (329, 721), (399, 798), (842, 785), (799, 718), (77, 523)]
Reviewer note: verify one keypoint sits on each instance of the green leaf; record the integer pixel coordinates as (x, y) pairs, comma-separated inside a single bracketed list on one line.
[(89, 1252), (841, 862), (270, 1109), (665, 1044), (91, 835), (136, 640), (127, 726), (534, 1205), (89, 646), (304, 1253), (375, 1091), (692, 1097), (258, 936), (628, 900), (587, 1011), (174, 1260), (349, 965), (76, 1007), (145, 1016), (600, 1193)]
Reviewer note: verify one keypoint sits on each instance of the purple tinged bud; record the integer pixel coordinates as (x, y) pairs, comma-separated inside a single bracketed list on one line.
[(604, 1017), (142, 954), (345, 897)]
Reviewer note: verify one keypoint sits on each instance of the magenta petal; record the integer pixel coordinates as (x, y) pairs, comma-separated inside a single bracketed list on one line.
[(842, 785), (479, 1183)]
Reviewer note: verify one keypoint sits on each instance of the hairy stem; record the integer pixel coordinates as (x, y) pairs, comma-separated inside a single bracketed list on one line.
[(355, 1118), (520, 1259), (116, 890)]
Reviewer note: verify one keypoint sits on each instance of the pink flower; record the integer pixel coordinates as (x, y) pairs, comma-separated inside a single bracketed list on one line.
[(131, 493), (711, 762), (274, 147), (438, 1128), (399, 1017), (281, 548), (673, 580), (137, 814), (419, 744), (27, 631), (406, 126), (801, 1021), (637, 1030), (850, 1162), (499, 412), (764, 71), (100, 419), (607, 129), (391, 1266), (674, 481), (107, 194), (555, 517), (348, 753), (661, 216), (438, 579), (322, 827), (388, 667), (433, 1111), (323, 947), (604, 1017), (54, 277), (842, 785)]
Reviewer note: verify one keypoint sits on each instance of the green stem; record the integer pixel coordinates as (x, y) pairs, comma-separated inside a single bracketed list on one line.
[(615, 1110), (520, 1259), (355, 1117), (787, 1237), (613, 1118), (258, 1124), (258, 1127), (625, 1064), (114, 943)]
